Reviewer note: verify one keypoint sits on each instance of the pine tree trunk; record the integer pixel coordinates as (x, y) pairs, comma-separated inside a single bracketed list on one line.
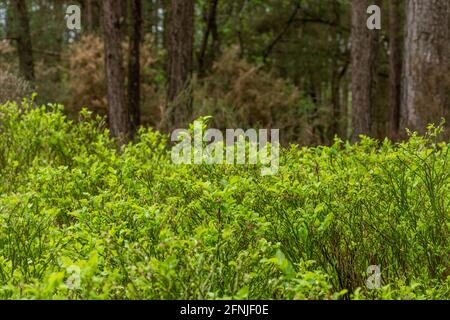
[(89, 16), (134, 70), (364, 58), (210, 29), (426, 83), (336, 75), (25, 48), (118, 114), (395, 67), (180, 62)]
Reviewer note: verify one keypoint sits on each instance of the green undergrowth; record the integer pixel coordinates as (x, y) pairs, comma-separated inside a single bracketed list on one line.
[(81, 220)]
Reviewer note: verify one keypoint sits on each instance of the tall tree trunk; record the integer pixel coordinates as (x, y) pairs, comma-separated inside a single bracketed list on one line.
[(364, 57), (335, 101), (395, 67), (93, 15), (210, 29), (58, 12), (426, 82), (89, 16), (336, 74), (215, 43), (134, 70), (118, 114), (25, 48), (180, 61), (346, 87)]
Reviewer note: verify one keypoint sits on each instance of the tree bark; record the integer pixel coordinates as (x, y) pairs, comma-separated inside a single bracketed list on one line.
[(336, 74), (180, 62), (134, 70), (118, 113), (90, 16), (364, 57), (25, 48), (426, 83), (210, 29), (395, 67), (59, 11), (92, 12)]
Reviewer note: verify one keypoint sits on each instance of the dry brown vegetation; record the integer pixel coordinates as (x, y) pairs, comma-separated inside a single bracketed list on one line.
[(241, 94), (13, 88)]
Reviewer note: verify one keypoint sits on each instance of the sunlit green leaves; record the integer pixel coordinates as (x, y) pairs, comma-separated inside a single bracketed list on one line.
[(140, 227)]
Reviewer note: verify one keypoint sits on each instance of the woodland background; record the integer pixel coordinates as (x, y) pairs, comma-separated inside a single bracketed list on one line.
[(310, 68)]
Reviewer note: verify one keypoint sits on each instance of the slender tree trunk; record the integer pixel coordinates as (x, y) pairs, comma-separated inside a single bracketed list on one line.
[(93, 15), (134, 70), (364, 57), (426, 81), (336, 74), (89, 16), (25, 48), (346, 107), (215, 43), (180, 61), (335, 101), (210, 29), (58, 11), (118, 114), (395, 66)]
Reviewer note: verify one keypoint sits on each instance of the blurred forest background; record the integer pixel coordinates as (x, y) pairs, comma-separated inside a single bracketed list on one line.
[(310, 68)]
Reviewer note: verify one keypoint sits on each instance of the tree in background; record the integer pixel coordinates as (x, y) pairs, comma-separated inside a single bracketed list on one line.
[(364, 67), (134, 70), (241, 46), (395, 66), (210, 19), (92, 13), (426, 83), (118, 114), (338, 71), (180, 49), (25, 48)]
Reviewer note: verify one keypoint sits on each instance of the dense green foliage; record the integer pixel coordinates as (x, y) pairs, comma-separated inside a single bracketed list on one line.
[(138, 226)]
